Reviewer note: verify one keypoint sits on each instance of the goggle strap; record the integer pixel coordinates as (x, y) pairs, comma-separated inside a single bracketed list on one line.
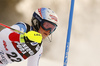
[(37, 17)]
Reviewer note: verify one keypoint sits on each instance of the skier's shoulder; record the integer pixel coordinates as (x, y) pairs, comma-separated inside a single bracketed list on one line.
[(24, 26)]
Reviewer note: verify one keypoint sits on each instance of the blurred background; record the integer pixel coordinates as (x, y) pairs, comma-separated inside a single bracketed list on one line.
[(84, 47)]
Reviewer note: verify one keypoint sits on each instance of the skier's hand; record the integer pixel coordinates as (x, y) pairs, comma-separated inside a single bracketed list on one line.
[(31, 36)]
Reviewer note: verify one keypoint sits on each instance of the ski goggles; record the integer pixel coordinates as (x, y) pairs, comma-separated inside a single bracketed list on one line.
[(47, 25)]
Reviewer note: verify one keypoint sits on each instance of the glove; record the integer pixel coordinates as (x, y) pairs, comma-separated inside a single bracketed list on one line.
[(31, 36)]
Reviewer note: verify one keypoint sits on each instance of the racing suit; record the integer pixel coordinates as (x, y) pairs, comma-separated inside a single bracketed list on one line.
[(11, 50)]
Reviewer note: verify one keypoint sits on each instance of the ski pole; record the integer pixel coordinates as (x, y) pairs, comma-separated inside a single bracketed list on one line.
[(68, 33), (11, 28)]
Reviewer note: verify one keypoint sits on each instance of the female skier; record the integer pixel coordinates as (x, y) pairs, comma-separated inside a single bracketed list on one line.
[(16, 47)]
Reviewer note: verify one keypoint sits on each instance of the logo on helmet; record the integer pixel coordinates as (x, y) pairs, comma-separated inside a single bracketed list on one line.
[(53, 17), (40, 12)]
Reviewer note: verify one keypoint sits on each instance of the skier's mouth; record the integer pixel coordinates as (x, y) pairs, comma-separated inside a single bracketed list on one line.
[(45, 34)]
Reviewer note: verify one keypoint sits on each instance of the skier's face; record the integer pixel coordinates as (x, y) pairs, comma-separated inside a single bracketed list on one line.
[(44, 32)]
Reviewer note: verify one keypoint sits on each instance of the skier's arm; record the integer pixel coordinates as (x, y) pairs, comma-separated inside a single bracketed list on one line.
[(31, 35), (34, 60), (5, 32)]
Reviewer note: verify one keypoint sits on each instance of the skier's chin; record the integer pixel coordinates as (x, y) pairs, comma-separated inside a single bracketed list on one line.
[(44, 37)]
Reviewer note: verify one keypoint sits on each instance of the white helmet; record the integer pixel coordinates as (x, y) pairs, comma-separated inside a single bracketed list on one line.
[(46, 18)]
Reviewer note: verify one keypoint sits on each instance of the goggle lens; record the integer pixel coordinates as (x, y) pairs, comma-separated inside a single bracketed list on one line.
[(49, 26)]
